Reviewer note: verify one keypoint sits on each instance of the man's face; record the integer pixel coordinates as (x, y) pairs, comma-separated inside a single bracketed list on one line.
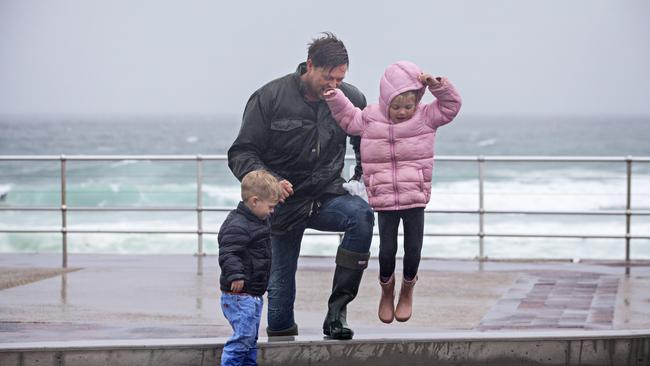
[(321, 79)]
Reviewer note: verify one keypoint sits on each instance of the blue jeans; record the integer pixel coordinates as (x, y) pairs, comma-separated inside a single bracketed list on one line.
[(350, 214), (243, 312)]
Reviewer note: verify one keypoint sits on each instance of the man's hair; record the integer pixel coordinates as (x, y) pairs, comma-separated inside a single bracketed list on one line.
[(262, 184), (327, 51)]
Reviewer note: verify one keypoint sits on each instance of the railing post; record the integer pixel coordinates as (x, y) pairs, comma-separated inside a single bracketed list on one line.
[(64, 215), (199, 204), (481, 210), (628, 214)]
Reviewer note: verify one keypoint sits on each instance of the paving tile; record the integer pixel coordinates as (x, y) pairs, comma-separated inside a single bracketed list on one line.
[(576, 301)]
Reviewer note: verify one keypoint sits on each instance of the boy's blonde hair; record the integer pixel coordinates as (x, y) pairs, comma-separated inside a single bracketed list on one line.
[(262, 184)]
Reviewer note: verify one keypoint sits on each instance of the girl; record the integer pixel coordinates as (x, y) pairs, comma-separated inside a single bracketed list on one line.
[(397, 137)]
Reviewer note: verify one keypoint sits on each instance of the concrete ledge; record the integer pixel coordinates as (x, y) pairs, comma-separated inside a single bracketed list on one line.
[(629, 347)]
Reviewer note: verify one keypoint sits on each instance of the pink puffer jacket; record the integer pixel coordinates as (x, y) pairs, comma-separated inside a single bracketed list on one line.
[(397, 158)]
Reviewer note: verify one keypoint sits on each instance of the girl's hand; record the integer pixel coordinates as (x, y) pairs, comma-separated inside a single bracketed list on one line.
[(237, 286), (430, 81), (329, 93)]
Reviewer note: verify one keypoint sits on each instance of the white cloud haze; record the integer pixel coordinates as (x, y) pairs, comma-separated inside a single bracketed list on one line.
[(538, 57)]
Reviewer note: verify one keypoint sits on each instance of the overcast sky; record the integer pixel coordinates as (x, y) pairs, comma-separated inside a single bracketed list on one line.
[(533, 57)]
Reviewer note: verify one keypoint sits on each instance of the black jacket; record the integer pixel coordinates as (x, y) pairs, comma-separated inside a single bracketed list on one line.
[(295, 140), (245, 251)]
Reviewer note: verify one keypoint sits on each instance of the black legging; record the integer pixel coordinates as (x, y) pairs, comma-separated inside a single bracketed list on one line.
[(413, 222)]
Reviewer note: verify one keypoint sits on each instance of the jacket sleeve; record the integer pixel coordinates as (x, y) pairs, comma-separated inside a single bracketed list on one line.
[(446, 106), (245, 153), (233, 243), (349, 117)]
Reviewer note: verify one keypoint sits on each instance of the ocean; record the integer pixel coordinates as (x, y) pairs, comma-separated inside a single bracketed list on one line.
[(508, 186)]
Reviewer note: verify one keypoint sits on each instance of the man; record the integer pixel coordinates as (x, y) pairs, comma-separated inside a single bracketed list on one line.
[(287, 129)]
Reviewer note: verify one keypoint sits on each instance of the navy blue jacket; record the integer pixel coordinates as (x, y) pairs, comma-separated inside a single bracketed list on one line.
[(245, 251)]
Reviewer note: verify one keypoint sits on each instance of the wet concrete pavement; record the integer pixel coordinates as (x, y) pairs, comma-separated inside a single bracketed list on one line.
[(176, 296)]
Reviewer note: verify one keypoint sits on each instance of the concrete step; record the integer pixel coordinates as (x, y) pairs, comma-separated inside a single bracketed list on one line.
[(629, 347)]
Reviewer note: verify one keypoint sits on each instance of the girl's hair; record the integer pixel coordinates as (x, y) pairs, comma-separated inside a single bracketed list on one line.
[(262, 184), (408, 93)]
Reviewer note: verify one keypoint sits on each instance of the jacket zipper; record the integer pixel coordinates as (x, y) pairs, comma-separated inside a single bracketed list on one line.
[(392, 158), (311, 208), (318, 132)]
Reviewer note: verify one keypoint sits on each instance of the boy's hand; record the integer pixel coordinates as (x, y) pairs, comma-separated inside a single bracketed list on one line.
[(430, 81), (287, 189), (237, 285)]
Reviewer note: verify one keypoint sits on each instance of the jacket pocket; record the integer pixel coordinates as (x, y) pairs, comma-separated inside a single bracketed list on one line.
[(371, 185), (284, 125), (288, 142), (421, 176)]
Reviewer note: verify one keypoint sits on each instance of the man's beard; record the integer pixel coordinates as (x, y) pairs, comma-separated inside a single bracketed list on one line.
[(314, 91)]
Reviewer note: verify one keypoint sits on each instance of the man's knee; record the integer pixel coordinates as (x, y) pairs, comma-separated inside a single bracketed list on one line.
[(359, 228), (368, 216), (362, 215)]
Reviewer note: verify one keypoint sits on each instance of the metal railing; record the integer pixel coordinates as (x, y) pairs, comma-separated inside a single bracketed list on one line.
[(63, 208)]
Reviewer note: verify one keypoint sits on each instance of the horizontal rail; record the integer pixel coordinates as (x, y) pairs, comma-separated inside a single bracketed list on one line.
[(111, 157), (472, 158), (210, 232), (64, 209), (111, 209), (228, 209)]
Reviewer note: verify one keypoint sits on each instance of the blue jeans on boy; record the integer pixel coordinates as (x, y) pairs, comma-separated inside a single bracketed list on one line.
[(243, 312), (346, 213)]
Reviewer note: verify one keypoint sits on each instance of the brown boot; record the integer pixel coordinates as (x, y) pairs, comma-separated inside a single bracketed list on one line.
[(387, 301), (405, 304)]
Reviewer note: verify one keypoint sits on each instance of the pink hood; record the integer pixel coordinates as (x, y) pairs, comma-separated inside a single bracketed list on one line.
[(397, 158), (398, 78)]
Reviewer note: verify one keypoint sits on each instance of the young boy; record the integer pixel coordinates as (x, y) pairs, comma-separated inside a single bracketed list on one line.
[(245, 261)]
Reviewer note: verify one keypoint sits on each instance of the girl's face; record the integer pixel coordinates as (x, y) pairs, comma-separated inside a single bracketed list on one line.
[(402, 107)]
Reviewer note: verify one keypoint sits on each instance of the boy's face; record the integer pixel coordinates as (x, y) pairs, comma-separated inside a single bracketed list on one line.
[(402, 108), (262, 208)]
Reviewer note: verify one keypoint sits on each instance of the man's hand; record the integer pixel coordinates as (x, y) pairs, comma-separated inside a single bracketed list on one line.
[(287, 189), (430, 81), (237, 285)]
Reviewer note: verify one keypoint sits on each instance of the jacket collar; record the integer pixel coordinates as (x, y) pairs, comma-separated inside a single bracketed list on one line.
[(301, 69), (244, 210)]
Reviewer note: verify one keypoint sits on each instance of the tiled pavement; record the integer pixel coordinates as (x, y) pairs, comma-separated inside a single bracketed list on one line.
[(555, 300)]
